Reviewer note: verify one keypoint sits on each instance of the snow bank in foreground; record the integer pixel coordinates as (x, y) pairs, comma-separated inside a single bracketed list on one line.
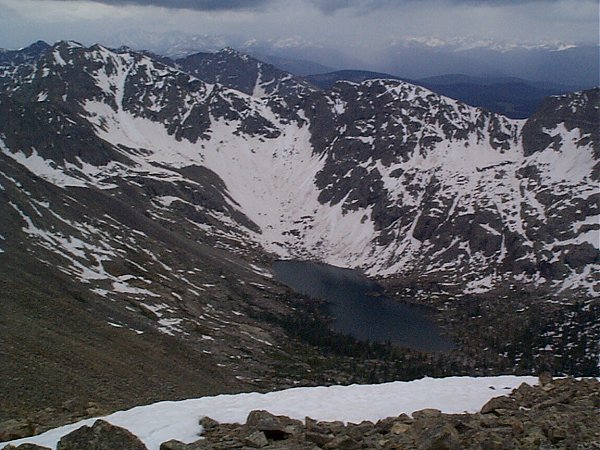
[(159, 422)]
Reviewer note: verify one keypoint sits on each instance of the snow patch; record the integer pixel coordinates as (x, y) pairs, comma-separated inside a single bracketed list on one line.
[(163, 421)]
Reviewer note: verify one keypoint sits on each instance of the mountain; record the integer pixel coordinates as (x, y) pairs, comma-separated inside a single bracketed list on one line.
[(328, 80), (297, 67), (568, 64), (173, 44), (459, 78), (243, 73), (143, 204), (292, 55), (30, 53), (509, 96)]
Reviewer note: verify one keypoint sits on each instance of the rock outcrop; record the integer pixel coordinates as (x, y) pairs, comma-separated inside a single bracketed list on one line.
[(101, 436)]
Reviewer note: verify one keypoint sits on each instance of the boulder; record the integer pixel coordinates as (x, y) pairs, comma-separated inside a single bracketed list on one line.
[(436, 434), (173, 445), (320, 439), (257, 439), (14, 429), (400, 428), (427, 413), (207, 423), (342, 443), (177, 445), (314, 426), (525, 395), (492, 440), (274, 427), (101, 436), (544, 378), (26, 447), (499, 403)]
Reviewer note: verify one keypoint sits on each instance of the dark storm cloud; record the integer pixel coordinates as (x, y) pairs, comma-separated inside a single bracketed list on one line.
[(326, 6), (200, 5), (329, 6)]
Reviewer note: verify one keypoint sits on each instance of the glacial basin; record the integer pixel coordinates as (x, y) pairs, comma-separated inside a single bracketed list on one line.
[(359, 309)]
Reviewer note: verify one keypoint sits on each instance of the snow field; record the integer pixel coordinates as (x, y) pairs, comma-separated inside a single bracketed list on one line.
[(163, 421)]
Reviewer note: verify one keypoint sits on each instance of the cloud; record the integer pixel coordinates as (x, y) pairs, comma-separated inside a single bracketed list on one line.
[(199, 5), (325, 6), (331, 6), (357, 28)]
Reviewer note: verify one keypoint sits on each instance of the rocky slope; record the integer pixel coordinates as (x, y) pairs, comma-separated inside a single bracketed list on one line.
[(559, 414), (143, 204)]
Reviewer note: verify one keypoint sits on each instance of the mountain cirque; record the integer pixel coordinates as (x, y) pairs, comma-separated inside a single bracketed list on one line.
[(144, 205)]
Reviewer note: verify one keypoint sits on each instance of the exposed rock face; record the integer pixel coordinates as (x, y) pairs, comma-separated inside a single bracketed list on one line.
[(101, 436), (561, 414), (253, 77), (578, 110)]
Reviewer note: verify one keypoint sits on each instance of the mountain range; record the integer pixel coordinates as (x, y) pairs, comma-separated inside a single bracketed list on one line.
[(565, 63), (144, 200), (512, 97), (509, 78)]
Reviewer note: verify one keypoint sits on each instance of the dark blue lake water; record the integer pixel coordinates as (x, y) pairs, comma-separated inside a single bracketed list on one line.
[(359, 310)]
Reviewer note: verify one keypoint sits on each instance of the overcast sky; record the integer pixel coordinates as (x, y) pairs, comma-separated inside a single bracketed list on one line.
[(349, 25)]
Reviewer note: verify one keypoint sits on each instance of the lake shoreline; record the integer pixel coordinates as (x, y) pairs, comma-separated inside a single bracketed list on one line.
[(359, 306)]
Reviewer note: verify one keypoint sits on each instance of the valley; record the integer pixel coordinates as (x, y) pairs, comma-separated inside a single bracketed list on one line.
[(145, 200)]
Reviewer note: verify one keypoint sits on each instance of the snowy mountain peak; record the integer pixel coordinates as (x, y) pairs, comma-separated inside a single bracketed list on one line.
[(244, 73), (382, 175), (459, 44), (576, 113), (230, 51)]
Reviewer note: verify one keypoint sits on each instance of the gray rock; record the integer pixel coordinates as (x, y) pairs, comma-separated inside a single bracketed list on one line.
[(274, 427), (14, 429), (26, 447), (173, 445), (427, 413), (498, 403), (101, 436), (257, 439), (177, 445), (320, 439), (436, 434), (207, 423), (545, 378), (400, 428), (263, 420), (314, 426), (342, 443)]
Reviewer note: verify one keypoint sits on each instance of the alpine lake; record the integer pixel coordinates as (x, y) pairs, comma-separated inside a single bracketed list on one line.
[(359, 308)]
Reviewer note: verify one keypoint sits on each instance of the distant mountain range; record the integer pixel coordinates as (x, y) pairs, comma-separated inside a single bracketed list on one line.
[(566, 64), (512, 97)]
